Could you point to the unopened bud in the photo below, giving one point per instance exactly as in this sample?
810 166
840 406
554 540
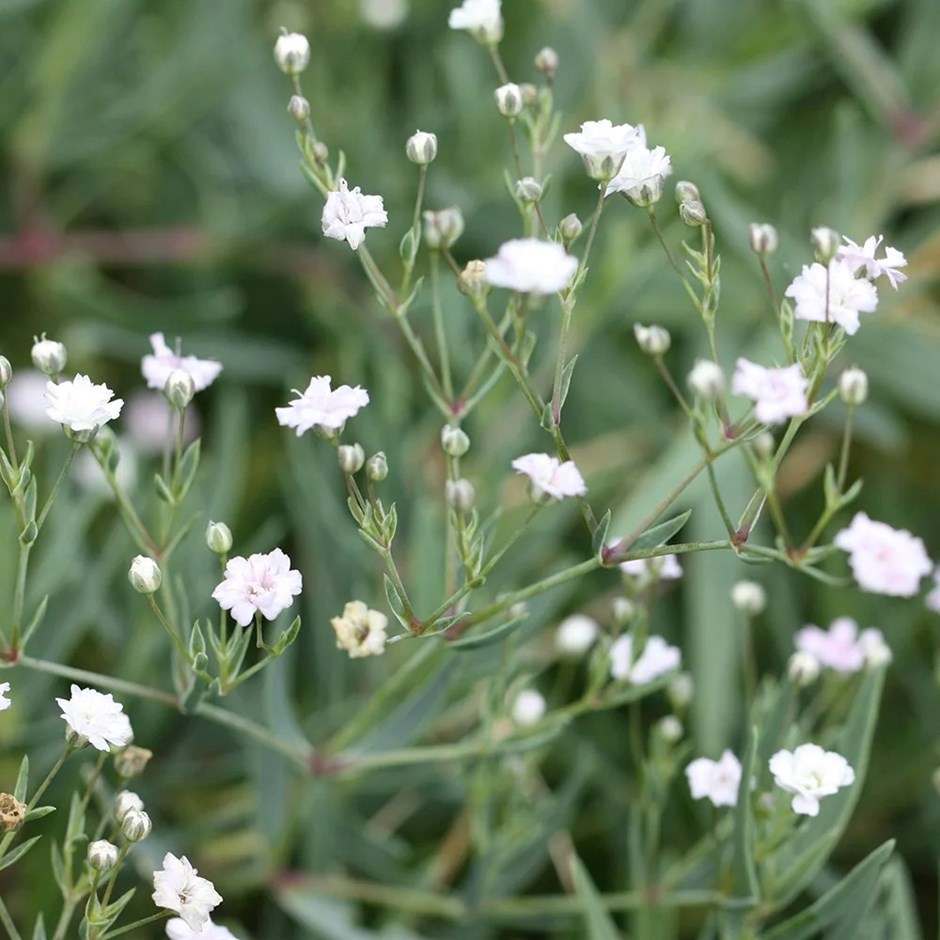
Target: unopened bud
102 855
693 213
218 538
749 597
570 228
454 441
12 813
124 802
6 372
421 148
443 228
803 668
687 192
680 690
460 495
653 340
576 634
825 243
623 610
530 94
179 389
48 356
763 238
764 445
145 575
136 825
298 108
646 193
669 729
528 190
351 457
707 380
321 153
509 100
377 467
472 278
292 53
547 62
853 386
132 761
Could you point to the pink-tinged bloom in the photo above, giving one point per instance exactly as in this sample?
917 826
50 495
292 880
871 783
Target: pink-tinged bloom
96 718
319 407
80 405
884 560
156 368
837 648
810 773
178 929
531 266
657 658
778 394
178 887
848 296
715 780
263 584
859 257
548 477
5 703
347 214
662 568
641 175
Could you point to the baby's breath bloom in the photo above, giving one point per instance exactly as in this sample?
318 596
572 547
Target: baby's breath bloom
603 146
322 408
810 773
5 703
717 781
421 148
124 802
662 568
483 19
853 386
531 266
837 296
360 631
657 658
859 257
348 213
178 887
145 575
641 175
48 356
549 478
159 365
80 406
95 718
528 708
292 53
707 380
102 855
576 635
778 393
749 597
509 100
836 648
178 929
260 584
803 668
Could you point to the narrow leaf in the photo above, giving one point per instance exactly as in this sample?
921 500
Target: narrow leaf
14 855
597 921
662 533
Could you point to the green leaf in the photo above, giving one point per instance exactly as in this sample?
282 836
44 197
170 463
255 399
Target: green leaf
39 931
599 538
478 640
287 637
38 813
22 780
597 921
36 620
186 471
395 602
660 534
746 891
14 855
566 379
163 490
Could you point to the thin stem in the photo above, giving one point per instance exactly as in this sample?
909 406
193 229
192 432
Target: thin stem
7 922
112 878
93 779
95 678
719 502
137 923
443 352
651 213
180 646
671 383
416 232
517 162
76 446
8 433
769 286
19 595
497 59
592 231
560 363
846 446
135 527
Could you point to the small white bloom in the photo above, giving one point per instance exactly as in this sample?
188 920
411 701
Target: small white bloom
481 18
859 257
825 242
549 478
659 568
641 175
319 407
576 635
421 148
707 380
177 929
653 340
81 406
603 146
531 266
657 658
163 361
749 597
836 648
670 729
874 649
178 887
136 825
347 214
803 668
778 393
360 631
810 773
717 781
763 238
528 708
680 690
5 703
292 53
48 356
96 718
848 296
884 560
260 584
509 100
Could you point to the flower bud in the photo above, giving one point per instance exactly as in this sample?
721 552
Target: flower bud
693 213
687 192
351 457
749 597
321 153
763 238
454 441
623 610
570 228
460 495
377 467
145 575
471 279
131 761
102 855
509 101
825 242
653 340
764 445
12 813
443 228
707 380
136 825
669 729
546 62
48 356
6 372
647 193
853 386
680 690
124 802
179 389
576 634
298 108
528 190
292 53
528 708
421 148
530 94
218 538
803 668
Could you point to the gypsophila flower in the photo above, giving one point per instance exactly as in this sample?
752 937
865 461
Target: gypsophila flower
528 708
662 568
576 635
874 648
292 53
641 175
531 266
178 929
178 887
803 668
810 773
322 408
884 560
778 393
81 406
836 648
549 478
657 658
603 146
96 718
360 631
749 597
157 366
717 781
707 379
347 214
260 584
848 296
481 18
859 257
124 802
5 703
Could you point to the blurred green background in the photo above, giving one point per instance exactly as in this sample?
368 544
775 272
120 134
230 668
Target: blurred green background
150 182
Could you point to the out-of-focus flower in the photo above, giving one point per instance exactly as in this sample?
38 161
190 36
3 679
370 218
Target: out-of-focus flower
717 781
853 386
48 356
603 146
749 597
178 887
158 366
509 100
319 407
641 175
576 635
834 294
96 719
443 227
348 213
653 340
858 257
884 560
657 658
177 929
483 19
528 708
874 649
27 403
933 598
131 761
803 668
531 266
836 648
763 238
292 53
810 773
707 380
778 394
660 568
5 703
80 406
360 631
262 583
124 802
383 14
549 478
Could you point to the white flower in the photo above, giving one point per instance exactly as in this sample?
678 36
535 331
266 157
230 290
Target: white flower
80 405
874 649
717 781
482 18
657 658
576 635
641 175
661 567
528 708
803 668
360 631
177 929
749 597
530 266
263 584
778 393
347 215
549 478
383 14
156 367
177 887
292 53
836 648
858 257
933 598
319 407
145 575
5 703
848 296
810 773
603 146
706 379
124 802
96 718
884 560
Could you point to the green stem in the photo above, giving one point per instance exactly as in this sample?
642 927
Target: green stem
719 502
76 446
409 264
517 162
493 50
137 923
180 646
136 528
7 922
19 595
846 446
560 363
651 213
8 432
592 231
112 878
443 352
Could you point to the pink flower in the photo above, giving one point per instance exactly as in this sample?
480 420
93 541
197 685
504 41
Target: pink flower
717 780
838 647
319 407
263 584
156 368
840 294
884 560
858 257
778 393
549 478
